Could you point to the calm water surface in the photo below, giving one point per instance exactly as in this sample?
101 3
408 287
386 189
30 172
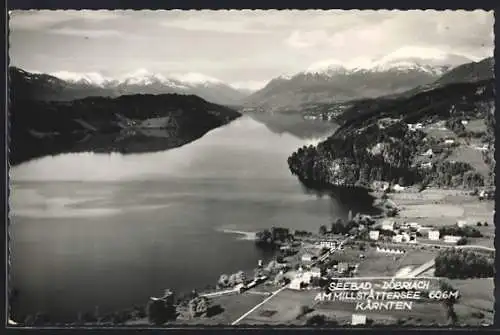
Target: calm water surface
110 230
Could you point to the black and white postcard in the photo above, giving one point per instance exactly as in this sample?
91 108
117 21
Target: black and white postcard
251 168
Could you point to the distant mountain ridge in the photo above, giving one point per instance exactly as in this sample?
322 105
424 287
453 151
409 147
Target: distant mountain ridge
65 86
332 82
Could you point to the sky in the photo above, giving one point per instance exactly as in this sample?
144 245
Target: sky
245 48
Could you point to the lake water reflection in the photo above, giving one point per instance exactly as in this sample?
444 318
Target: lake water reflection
112 230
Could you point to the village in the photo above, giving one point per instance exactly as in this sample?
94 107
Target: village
402 246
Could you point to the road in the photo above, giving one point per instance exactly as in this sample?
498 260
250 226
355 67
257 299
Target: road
323 257
414 273
258 305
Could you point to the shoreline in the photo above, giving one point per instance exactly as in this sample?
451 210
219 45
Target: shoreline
245 235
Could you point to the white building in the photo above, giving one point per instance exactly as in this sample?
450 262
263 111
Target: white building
405 237
388 225
414 225
307 257
414 126
374 235
398 188
315 272
434 235
451 238
380 185
295 283
327 244
427 165
461 223
358 319
428 153
449 141
389 251
397 238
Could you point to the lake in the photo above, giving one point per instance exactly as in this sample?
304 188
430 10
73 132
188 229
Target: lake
111 230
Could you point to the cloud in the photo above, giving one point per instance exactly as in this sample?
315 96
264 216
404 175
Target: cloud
210 21
40 19
306 39
460 32
242 47
88 32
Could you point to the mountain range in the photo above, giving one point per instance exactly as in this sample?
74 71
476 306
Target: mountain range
332 82
323 83
66 86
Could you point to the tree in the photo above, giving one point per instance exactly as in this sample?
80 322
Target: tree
322 230
450 301
304 309
233 280
349 216
315 281
157 311
463 263
258 273
240 277
198 306
479 224
316 320
223 280
264 238
160 310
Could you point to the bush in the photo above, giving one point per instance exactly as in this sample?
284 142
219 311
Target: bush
316 320
464 231
304 309
463 264
159 312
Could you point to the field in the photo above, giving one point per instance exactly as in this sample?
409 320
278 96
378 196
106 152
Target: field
476 304
476 125
439 132
379 264
421 313
284 308
470 155
233 307
442 207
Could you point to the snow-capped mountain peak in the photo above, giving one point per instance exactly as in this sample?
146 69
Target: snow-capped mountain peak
89 78
407 66
196 79
406 59
141 77
329 66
